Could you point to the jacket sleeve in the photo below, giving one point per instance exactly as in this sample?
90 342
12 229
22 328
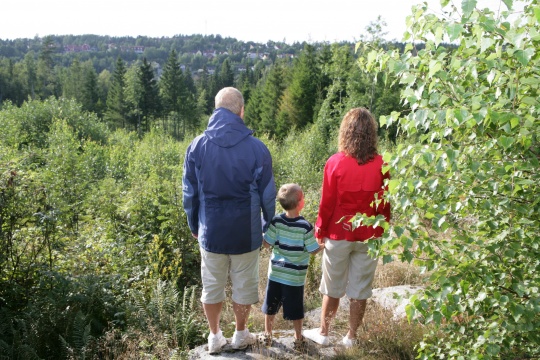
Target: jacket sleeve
267 190
328 201
190 192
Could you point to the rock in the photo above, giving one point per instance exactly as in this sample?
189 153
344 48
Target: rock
395 298
282 348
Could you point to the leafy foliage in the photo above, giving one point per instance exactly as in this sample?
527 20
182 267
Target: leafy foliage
86 216
172 314
466 182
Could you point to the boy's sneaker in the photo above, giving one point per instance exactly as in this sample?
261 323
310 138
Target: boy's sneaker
216 342
300 344
242 339
315 335
265 339
347 342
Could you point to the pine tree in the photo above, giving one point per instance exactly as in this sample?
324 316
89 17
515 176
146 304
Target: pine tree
116 112
90 93
148 100
270 101
204 87
303 91
171 87
189 108
72 83
31 73
334 105
47 78
226 74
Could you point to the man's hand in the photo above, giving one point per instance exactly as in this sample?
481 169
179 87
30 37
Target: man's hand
195 236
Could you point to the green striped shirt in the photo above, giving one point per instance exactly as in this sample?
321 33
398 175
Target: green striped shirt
293 241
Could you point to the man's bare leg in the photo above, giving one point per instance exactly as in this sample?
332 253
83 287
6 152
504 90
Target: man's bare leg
241 314
213 314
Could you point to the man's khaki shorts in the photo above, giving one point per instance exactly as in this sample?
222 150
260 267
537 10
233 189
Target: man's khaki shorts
243 270
347 269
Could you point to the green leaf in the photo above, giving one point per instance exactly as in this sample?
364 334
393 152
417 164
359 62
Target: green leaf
505 141
508 3
524 56
517 312
514 122
428 158
486 43
441 221
454 31
537 13
467 6
392 185
434 67
410 310
387 259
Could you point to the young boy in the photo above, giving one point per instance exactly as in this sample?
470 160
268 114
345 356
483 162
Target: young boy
292 238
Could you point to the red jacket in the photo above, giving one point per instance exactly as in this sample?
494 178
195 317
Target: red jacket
348 189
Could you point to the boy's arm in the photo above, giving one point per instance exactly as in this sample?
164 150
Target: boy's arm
311 244
269 237
321 248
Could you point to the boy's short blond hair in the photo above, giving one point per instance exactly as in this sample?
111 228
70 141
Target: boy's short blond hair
289 196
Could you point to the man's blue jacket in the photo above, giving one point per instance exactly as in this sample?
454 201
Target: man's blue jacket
227 184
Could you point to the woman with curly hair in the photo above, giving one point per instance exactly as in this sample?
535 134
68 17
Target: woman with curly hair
353 182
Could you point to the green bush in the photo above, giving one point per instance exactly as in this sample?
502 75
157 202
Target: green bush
466 180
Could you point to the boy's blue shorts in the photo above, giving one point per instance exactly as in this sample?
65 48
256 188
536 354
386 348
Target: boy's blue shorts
290 297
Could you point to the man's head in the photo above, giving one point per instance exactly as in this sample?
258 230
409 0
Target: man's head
290 196
230 99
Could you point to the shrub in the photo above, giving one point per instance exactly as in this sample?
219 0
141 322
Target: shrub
466 180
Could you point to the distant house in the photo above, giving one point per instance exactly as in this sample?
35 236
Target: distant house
77 48
209 54
135 49
285 56
251 55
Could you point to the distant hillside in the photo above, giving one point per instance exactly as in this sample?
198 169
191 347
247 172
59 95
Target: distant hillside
194 50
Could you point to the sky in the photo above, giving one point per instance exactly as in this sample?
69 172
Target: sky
260 21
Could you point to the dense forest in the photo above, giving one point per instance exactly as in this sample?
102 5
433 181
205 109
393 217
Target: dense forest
97 261
136 83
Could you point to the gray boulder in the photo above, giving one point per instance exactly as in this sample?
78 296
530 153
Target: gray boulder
393 298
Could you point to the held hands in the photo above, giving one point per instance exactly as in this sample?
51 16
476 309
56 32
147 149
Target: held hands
320 241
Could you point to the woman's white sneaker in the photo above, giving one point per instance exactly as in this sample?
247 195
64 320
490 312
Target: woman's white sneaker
348 342
315 336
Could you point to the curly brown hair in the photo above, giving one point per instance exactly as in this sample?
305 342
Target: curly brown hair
358 135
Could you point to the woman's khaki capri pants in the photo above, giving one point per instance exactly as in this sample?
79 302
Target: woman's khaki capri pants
347 268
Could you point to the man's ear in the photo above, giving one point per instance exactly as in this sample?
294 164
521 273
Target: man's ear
242 113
